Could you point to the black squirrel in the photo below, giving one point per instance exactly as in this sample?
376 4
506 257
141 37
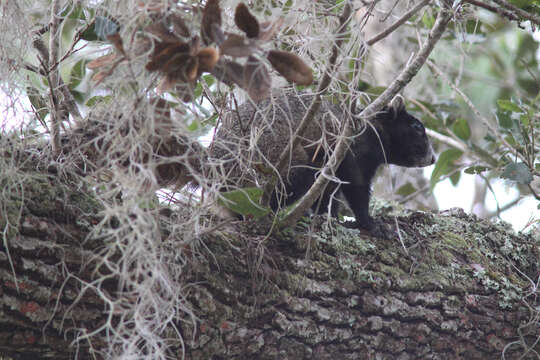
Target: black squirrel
250 140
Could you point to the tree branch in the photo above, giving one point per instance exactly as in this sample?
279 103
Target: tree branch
53 75
502 12
398 23
519 12
315 103
465 98
397 85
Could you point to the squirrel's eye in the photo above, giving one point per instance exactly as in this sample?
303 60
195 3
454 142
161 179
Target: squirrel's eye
417 126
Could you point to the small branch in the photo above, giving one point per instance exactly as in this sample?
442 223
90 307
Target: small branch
398 23
447 140
503 208
519 12
315 103
502 12
54 43
469 103
533 192
69 102
397 85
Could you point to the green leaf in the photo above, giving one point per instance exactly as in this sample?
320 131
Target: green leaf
375 91
209 79
90 33
508 106
473 27
461 129
198 91
454 178
38 102
518 172
93 101
520 3
77 73
244 202
194 126
444 165
73 12
428 20
518 134
476 169
406 189
505 121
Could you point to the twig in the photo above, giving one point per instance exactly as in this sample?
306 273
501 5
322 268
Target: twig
469 103
503 208
519 12
315 103
69 102
502 12
54 42
397 23
397 85
447 140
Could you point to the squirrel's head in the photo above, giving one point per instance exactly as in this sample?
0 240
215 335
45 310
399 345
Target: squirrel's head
407 142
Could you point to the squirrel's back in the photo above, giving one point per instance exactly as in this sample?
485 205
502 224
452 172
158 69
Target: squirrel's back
250 140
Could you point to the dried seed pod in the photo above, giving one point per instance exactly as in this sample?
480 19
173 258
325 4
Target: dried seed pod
158 61
229 72
237 46
103 61
117 42
211 18
256 79
291 67
179 26
245 21
208 57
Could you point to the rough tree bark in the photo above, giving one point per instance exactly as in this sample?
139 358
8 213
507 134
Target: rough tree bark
312 293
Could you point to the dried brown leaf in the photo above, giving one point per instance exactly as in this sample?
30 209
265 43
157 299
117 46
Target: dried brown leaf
192 69
179 26
211 18
103 61
194 46
161 31
165 84
158 61
237 46
246 21
217 34
117 42
208 57
269 29
155 6
102 75
229 72
291 67
180 65
256 79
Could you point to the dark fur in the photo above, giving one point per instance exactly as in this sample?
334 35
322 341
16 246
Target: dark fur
393 136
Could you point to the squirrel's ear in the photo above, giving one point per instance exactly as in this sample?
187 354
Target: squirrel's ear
397 105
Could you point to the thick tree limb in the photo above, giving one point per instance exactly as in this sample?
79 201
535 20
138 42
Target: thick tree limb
462 292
